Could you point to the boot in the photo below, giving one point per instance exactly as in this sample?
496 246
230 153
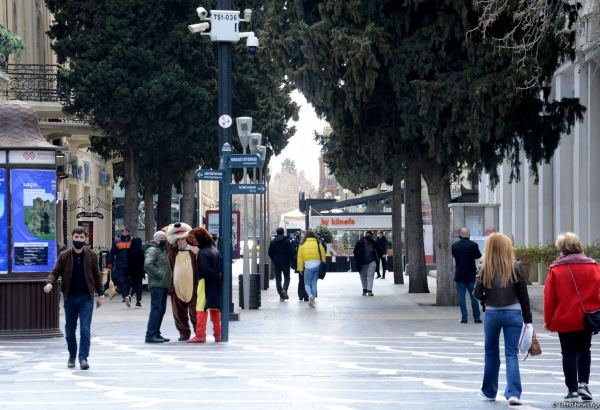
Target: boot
201 318
215 318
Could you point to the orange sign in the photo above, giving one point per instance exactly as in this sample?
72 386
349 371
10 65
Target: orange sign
338 221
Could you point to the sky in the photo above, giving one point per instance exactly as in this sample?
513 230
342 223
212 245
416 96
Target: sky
302 147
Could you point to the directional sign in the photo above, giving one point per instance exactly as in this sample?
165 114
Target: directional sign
209 174
247 188
244 161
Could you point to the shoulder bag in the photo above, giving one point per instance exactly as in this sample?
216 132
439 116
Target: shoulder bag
323 265
591 320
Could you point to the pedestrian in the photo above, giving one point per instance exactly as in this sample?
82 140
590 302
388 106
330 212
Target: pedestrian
119 264
280 252
302 295
210 286
157 265
503 288
135 263
465 253
381 244
81 280
310 255
573 283
365 256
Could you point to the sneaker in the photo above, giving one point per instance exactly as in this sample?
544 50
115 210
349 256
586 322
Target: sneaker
311 301
478 321
285 295
364 292
128 301
584 392
486 398
369 293
514 401
138 305
572 396
83 365
71 362
464 321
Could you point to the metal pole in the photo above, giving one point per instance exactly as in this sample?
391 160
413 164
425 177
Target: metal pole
260 235
246 267
253 267
225 223
267 224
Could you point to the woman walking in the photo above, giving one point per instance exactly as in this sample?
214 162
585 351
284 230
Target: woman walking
572 284
503 288
135 260
310 255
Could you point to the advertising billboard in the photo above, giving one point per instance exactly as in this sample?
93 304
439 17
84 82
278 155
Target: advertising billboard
3 223
212 226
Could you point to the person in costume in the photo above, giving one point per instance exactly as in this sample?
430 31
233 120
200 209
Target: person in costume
210 285
182 258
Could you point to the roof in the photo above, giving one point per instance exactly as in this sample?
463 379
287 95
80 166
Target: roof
19 127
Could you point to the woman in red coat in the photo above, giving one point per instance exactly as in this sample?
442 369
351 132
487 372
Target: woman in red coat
572 273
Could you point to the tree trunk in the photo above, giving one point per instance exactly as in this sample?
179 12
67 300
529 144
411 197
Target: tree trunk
149 213
397 227
132 183
163 211
438 185
413 234
188 196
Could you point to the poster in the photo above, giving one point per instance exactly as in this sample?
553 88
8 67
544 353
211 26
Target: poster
33 213
3 223
89 228
212 226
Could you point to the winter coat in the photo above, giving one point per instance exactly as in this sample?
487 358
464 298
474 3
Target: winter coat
118 252
381 244
465 253
309 251
157 266
210 269
64 268
135 263
562 309
295 244
280 251
359 252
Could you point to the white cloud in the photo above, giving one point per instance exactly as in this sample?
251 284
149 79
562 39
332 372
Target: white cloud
302 147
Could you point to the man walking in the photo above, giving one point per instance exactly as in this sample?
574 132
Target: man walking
465 253
365 255
157 265
119 264
281 253
81 279
382 246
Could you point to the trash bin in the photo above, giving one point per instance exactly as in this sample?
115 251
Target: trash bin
255 301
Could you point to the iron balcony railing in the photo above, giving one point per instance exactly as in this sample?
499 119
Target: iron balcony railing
35 82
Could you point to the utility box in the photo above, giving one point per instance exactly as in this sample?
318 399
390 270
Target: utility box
225 25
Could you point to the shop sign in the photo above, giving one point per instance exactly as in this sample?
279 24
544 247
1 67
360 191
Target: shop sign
32 157
337 221
89 215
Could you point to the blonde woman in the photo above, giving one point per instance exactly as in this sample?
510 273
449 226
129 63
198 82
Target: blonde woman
309 263
503 289
563 310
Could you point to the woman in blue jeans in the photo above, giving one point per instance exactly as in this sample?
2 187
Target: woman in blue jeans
310 255
503 289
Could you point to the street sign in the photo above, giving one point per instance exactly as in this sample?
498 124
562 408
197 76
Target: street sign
244 160
247 188
209 174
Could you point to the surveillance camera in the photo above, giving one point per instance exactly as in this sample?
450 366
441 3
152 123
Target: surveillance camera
252 44
202 13
199 27
247 14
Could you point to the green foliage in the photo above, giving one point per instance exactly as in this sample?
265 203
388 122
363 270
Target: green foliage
593 250
538 254
325 233
10 43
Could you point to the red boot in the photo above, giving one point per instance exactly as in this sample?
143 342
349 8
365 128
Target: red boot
215 317
201 318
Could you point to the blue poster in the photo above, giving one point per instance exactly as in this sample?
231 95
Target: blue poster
33 211
3 223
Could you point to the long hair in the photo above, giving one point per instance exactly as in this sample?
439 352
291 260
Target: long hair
308 234
202 236
499 259
136 245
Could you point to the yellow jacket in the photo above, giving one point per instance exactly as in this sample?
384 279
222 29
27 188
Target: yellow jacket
309 252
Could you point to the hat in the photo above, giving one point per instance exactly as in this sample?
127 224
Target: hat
176 231
159 236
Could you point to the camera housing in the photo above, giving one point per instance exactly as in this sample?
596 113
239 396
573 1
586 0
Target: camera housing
198 27
252 44
202 13
247 15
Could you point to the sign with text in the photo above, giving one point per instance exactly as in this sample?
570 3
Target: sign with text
3 223
32 157
212 225
89 228
209 175
33 214
244 160
237 189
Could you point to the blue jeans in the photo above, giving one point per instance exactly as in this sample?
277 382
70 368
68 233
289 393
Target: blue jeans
311 276
158 306
78 307
510 321
462 289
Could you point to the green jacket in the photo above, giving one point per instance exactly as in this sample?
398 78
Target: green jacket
157 266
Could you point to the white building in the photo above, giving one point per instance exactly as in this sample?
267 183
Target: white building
567 197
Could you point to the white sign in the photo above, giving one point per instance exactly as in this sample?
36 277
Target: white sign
2 157
225 121
225 25
32 157
352 222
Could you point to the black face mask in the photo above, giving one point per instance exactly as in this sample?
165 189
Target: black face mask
162 244
78 244
369 237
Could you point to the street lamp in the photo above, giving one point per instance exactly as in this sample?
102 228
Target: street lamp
244 127
255 141
262 151
346 193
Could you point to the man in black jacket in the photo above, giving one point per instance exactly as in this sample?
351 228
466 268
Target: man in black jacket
365 255
465 253
382 247
280 252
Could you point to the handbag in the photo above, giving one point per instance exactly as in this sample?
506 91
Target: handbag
591 320
535 349
323 265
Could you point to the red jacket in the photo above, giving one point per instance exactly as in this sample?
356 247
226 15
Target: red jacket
562 309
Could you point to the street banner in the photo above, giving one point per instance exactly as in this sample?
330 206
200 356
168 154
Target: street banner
33 214
212 226
3 223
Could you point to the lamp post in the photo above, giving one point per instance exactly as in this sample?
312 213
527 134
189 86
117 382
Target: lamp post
346 193
244 127
268 218
255 141
262 151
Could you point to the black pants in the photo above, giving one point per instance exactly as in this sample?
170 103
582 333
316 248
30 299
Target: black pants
158 306
279 270
576 357
136 287
301 289
381 259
